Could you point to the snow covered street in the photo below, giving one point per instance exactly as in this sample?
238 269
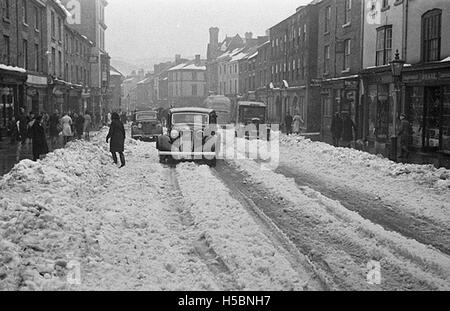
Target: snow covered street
321 221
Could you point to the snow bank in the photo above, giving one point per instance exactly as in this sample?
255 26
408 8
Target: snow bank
428 175
42 216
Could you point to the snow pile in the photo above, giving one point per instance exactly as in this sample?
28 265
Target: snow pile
42 217
422 174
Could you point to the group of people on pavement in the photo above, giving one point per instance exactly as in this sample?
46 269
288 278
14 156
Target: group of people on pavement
39 129
35 129
343 131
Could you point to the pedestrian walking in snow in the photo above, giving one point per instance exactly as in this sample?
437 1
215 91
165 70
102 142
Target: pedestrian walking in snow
405 136
87 125
38 138
66 124
288 121
298 121
348 126
336 129
117 136
79 126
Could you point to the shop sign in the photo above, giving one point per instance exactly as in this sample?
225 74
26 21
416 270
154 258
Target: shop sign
430 76
37 80
411 77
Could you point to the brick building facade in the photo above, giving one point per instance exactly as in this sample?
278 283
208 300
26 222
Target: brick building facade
339 60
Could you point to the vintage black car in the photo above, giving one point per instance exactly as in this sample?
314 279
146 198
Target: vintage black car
191 135
146 126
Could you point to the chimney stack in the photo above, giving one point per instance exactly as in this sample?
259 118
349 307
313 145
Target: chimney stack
177 59
214 36
248 36
197 60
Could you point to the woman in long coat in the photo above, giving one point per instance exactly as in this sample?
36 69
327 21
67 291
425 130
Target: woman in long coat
66 123
38 139
298 121
117 136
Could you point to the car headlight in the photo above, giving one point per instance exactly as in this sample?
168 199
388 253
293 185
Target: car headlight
140 125
174 134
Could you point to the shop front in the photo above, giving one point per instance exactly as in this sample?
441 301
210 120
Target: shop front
377 112
427 105
339 95
36 94
11 96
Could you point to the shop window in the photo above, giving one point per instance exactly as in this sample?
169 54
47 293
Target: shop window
446 120
432 117
415 115
379 112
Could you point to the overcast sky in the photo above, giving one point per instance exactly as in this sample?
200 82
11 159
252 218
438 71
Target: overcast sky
162 28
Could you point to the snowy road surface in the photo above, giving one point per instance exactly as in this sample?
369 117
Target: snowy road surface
319 222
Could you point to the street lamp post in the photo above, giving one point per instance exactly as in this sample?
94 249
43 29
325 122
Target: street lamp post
397 66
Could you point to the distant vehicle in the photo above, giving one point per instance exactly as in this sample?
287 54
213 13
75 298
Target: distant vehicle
223 107
191 135
146 126
251 113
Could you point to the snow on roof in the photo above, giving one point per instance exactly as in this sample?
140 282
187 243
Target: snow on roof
231 53
11 68
253 55
188 66
58 2
114 73
239 56
146 80
446 59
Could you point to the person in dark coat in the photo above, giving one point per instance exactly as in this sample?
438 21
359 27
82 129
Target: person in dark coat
347 130
405 136
117 136
38 139
288 121
336 129
79 126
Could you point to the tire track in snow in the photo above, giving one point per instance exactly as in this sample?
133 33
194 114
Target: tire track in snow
342 256
372 208
200 246
280 240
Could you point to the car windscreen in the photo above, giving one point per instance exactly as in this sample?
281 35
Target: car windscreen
190 118
247 114
146 116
